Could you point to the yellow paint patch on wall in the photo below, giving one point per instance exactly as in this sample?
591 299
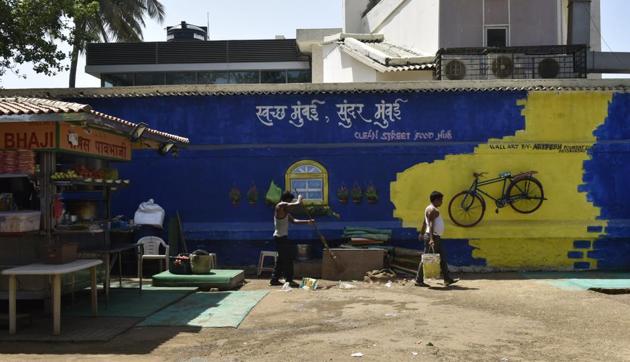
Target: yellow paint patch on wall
533 253
558 131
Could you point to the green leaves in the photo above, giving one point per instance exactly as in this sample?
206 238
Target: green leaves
34 30
118 20
30 31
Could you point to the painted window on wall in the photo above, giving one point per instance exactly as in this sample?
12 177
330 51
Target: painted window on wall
309 179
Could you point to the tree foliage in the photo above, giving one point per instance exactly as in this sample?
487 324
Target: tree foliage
118 20
33 30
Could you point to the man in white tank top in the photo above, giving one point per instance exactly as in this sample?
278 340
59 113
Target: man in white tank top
431 234
286 249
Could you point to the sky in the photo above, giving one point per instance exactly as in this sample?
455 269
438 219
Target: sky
256 19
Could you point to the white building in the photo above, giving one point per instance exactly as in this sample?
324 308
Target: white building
397 40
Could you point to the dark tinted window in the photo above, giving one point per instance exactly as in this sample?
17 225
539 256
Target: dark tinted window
299 76
181 78
496 37
273 76
117 80
150 78
244 77
213 77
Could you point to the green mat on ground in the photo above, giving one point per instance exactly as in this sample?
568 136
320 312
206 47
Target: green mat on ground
128 302
583 280
220 309
218 278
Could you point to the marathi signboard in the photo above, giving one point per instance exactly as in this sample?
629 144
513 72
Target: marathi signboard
64 136
93 142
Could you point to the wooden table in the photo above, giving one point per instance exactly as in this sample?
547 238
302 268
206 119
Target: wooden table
56 270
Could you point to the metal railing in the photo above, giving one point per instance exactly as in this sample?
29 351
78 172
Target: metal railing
535 62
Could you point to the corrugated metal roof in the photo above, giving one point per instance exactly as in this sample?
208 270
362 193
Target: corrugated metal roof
38 106
434 86
385 68
395 51
25 106
384 57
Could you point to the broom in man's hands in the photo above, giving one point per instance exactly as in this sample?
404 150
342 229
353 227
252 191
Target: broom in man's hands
338 265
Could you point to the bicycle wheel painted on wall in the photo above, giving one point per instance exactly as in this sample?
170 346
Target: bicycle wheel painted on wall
525 194
466 209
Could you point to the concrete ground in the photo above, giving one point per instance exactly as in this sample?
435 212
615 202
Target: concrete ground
486 317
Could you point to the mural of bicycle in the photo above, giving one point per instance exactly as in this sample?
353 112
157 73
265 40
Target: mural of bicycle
523 192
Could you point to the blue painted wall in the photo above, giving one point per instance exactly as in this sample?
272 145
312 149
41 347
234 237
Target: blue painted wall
234 144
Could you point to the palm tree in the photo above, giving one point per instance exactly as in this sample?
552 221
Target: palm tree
118 20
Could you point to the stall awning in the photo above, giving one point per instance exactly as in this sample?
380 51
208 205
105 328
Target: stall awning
19 109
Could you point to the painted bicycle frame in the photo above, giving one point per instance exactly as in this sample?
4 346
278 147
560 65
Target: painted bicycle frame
507 178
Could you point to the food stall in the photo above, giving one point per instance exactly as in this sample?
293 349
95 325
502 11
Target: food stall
57 175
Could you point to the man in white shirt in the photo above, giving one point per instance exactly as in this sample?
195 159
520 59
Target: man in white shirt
431 234
286 249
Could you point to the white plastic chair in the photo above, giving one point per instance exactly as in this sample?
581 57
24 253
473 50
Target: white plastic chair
149 248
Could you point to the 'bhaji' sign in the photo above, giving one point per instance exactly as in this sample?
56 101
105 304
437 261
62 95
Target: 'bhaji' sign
27 136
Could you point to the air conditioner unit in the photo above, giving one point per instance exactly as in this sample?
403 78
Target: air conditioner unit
461 67
550 67
500 66
539 66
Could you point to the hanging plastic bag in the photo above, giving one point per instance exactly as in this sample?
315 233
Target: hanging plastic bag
431 265
149 213
273 194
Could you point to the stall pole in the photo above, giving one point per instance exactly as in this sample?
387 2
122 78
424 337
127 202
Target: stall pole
57 304
93 290
12 302
47 168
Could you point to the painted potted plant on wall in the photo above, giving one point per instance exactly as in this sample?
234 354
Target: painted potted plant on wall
235 195
356 193
252 195
370 194
343 194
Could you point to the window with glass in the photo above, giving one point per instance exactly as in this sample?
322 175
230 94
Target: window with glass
244 77
117 80
496 37
299 76
149 78
206 77
181 78
220 77
273 76
309 179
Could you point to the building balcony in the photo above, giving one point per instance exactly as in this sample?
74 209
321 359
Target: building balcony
531 62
